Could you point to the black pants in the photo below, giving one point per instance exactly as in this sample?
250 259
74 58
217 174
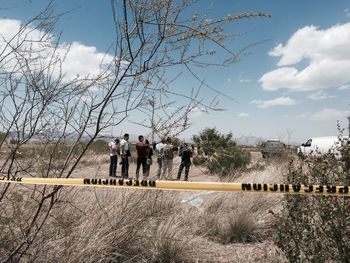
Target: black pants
125 167
143 162
113 165
160 165
183 165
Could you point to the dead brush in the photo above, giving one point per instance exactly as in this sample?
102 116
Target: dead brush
239 227
170 243
231 218
90 160
241 217
122 226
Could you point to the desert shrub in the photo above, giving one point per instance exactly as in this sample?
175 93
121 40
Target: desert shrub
3 136
316 228
14 141
16 209
231 218
115 226
221 153
99 147
257 166
238 228
199 160
168 244
345 153
47 158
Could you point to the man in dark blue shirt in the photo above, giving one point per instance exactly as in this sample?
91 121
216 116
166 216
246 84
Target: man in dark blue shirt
186 155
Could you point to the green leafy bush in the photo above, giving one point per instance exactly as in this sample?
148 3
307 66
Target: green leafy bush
99 147
221 153
316 228
3 137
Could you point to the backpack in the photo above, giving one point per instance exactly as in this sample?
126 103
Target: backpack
168 152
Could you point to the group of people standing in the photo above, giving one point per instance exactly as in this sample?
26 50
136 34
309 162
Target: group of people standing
121 148
165 153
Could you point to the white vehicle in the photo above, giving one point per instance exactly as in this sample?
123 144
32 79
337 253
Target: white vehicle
321 145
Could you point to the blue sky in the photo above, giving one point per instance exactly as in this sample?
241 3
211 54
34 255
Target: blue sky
292 86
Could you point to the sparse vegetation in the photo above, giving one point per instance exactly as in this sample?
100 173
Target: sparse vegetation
99 147
316 228
53 117
142 226
90 225
3 137
49 128
235 218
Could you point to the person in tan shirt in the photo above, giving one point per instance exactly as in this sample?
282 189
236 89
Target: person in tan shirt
168 156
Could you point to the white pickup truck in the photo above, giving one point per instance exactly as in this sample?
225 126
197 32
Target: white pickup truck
321 145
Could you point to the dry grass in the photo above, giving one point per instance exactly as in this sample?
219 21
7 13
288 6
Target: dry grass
121 226
105 225
242 217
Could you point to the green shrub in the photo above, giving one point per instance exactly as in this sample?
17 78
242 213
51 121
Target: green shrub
221 153
199 160
99 147
3 137
224 161
316 228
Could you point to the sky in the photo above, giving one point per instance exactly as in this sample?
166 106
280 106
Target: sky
293 84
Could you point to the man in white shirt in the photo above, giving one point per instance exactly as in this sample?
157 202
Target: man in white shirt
125 153
159 152
113 153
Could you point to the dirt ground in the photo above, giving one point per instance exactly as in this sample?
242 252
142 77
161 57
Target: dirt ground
100 169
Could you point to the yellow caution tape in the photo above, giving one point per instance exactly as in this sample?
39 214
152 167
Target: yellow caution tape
186 186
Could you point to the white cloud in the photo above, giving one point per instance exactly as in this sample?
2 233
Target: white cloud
78 59
344 87
83 60
299 116
320 95
330 114
243 115
347 12
197 111
244 80
281 101
229 80
302 116
326 52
